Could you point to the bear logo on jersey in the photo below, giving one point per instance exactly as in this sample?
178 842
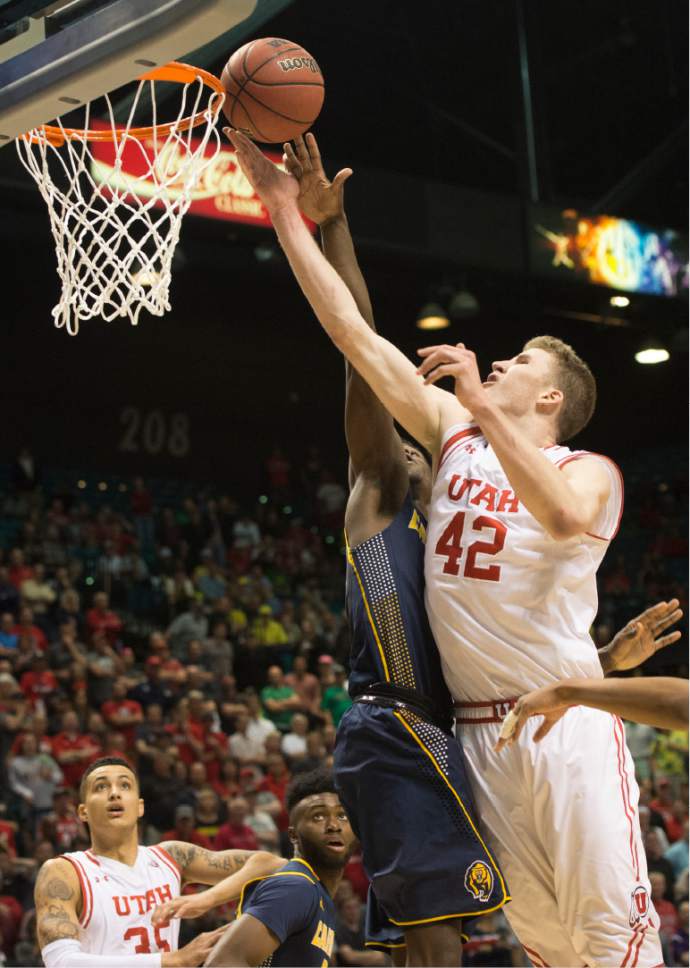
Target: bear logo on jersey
479 881
639 905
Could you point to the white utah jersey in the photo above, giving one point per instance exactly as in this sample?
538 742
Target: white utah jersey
118 900
509 606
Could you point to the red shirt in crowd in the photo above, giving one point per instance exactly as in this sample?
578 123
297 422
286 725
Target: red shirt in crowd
37 635
36 685
668 917
20 573
106 621
278 788
133 711
235 837
7 838
11 913
45 744
64 743
354 872
193 837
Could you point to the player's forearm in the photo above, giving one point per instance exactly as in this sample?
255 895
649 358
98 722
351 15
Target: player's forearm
325 291
69 954
656 701
229 889
339 249
537 483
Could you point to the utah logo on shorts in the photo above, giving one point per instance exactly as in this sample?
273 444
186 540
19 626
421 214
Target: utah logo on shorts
479 881
639 905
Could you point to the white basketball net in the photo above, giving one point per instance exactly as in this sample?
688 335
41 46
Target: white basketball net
115 233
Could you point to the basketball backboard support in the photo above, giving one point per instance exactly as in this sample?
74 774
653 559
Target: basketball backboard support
65 53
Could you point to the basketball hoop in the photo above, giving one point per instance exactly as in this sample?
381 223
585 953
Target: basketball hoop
115 237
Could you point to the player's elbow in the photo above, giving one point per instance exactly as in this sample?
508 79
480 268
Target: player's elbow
565 523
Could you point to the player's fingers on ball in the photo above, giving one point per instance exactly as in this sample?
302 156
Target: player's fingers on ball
313 146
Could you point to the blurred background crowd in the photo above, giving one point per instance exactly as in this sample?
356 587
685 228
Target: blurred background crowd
204 640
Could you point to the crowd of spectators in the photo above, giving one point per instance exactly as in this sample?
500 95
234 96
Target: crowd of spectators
205 642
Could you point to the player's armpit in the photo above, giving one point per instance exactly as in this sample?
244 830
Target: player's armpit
57 896
200 866
590 482
246 942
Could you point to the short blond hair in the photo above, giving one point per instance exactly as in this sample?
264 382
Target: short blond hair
575 380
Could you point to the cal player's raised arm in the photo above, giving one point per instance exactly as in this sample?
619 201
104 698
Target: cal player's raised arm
373 443
566 502
200 866
58 901
391 375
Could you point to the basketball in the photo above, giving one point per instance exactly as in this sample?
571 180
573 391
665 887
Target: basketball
274 90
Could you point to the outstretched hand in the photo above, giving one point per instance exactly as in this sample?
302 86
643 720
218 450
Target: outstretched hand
639 640
184 906
275 188
319 199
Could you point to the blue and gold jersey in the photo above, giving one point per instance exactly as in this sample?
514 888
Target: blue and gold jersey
391 638
297 908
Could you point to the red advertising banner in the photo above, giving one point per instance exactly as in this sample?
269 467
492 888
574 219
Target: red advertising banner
222 191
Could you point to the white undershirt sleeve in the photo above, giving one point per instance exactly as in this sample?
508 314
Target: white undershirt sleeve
68 954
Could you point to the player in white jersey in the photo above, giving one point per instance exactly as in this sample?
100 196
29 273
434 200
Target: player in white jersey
94 907
518 527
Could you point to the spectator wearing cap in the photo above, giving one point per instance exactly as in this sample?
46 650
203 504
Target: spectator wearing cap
236 834
266 630
123 714
279 700
190 625
306 685
185 828
100 618
152 689
73 750
336 699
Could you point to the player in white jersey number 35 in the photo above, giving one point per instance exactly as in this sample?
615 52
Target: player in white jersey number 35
94 908
518 527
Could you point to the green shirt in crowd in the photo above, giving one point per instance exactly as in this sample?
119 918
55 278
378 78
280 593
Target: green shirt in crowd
336 699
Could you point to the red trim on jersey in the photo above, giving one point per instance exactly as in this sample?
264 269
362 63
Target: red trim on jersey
535 957
86 895
469 432
637 936
93 859
639 946
619 736
169 861
591 453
